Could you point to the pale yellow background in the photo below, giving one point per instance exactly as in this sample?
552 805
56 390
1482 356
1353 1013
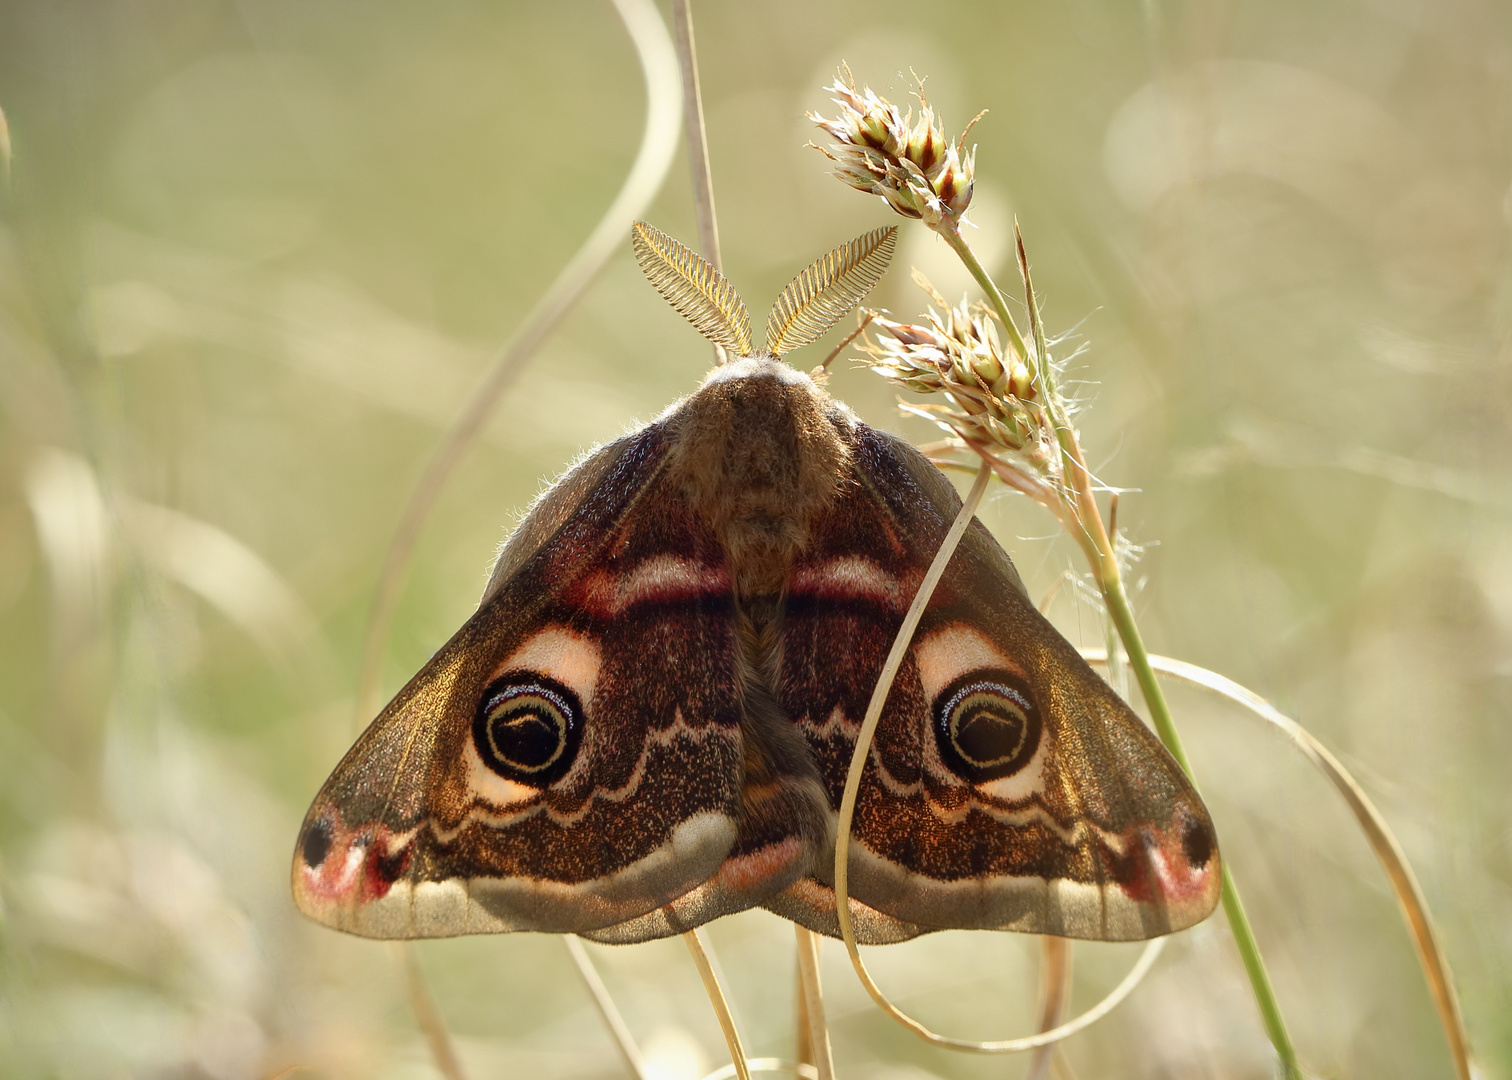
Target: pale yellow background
254 255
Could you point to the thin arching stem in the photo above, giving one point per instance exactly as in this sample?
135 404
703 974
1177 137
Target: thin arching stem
847 814
812 1004
1080 515
653 46
697 136
1383 842
696 133
1055 999
610 1013
879 698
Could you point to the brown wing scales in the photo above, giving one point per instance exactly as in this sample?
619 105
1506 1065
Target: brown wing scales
649 719
1008 786
532 776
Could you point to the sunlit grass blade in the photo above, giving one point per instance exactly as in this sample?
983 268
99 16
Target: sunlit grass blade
848 810
698 142
815 1030
801 1069
658 60
696 133
1054 997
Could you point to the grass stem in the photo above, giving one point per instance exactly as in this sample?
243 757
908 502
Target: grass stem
697 137
653 46
1404 882
859 757
618 1029
812 1004
1055 999
1085 522
701 959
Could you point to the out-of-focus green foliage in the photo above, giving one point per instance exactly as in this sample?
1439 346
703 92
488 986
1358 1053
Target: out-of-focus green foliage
253 257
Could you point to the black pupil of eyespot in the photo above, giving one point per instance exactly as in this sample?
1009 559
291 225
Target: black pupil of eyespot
528 730
988 732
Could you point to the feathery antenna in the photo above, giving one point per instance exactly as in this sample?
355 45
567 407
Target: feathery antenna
690 284
827 289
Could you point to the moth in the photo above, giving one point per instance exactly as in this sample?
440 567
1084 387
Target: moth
648 721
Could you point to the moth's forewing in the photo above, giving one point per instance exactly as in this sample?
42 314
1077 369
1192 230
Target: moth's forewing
544 771
1008 786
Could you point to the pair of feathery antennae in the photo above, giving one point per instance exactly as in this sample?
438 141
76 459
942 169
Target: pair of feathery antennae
820 296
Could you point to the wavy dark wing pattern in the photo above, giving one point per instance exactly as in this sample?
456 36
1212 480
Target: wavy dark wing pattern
1008 787
531 776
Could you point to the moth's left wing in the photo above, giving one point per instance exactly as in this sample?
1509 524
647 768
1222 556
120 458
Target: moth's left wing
571 758
1008 786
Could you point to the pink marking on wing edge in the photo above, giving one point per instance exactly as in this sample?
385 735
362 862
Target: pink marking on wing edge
746 872
361 864
1156 858
659 579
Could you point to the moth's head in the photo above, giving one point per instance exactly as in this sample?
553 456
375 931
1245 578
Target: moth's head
760 362
824 293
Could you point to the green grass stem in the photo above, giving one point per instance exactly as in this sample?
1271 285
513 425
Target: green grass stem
1099 548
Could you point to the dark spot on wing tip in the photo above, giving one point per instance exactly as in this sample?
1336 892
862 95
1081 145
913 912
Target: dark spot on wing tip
1197 843
315 845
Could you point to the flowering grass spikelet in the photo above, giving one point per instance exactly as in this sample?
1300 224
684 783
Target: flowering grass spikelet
994 405
910 163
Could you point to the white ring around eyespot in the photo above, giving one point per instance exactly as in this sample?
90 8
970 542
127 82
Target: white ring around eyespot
956 708
556 715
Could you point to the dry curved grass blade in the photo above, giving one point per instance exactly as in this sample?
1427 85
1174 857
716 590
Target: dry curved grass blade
658 59
618 1030
741 1068
768 1065
694 288
848 812
697 133
1404 882
815 1029
827 289
1055 999
698 143
5 146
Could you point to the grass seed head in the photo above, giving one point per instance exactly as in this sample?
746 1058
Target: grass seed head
910 163
959 353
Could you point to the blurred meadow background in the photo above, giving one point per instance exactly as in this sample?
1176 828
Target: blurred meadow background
255 255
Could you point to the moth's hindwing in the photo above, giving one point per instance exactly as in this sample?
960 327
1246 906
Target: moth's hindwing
1008 787
571 758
